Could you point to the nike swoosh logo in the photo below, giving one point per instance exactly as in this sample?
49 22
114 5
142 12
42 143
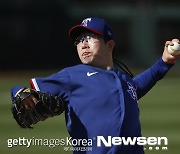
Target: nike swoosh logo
90 74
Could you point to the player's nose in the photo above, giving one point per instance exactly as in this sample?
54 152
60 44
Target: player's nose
85 45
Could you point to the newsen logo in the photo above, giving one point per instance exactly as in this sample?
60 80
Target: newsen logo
142 141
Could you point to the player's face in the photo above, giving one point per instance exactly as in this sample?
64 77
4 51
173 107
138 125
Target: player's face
92 49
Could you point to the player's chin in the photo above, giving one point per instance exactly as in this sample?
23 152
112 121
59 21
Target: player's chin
86 63
86 60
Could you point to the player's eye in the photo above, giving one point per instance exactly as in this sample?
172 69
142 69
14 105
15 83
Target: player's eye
87 37
81 39
77 41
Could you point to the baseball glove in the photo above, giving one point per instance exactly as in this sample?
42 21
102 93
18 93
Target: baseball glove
47 106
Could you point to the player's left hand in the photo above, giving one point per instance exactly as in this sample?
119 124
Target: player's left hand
167 57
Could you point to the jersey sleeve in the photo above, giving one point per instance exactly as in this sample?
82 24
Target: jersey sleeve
147 79
14 90
56 84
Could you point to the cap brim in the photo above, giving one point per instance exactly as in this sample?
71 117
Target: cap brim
75 31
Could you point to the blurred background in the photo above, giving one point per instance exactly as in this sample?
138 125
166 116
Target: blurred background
35 42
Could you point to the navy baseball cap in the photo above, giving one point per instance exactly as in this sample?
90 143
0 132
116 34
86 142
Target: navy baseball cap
95 25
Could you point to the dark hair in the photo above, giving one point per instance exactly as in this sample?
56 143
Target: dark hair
122 66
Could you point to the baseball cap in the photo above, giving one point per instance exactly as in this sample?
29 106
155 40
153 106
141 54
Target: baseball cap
95 25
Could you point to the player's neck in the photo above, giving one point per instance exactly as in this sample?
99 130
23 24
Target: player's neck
105 65
108 65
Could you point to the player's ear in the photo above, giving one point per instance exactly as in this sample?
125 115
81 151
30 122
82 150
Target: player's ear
111 45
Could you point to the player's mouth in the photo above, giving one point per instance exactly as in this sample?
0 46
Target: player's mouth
86 54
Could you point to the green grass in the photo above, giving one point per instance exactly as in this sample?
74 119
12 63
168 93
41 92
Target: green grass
160 116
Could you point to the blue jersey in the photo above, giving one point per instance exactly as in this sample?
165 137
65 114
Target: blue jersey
101 102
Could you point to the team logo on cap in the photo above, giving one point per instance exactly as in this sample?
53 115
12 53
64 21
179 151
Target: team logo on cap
85 21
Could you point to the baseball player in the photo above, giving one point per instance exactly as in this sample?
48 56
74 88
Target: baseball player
98 99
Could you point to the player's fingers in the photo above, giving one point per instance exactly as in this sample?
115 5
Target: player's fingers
175 40
28 102
168 43
34 100
26 106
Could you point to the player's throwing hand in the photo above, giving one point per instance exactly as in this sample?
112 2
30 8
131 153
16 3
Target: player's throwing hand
167 57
